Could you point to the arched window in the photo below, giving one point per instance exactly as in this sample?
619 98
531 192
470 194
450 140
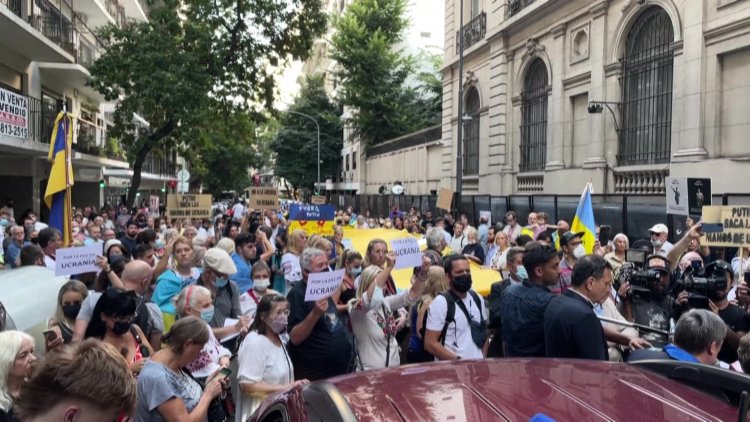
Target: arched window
534 117
647 90
471 139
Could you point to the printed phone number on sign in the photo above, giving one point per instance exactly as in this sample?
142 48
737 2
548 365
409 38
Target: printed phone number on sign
13 130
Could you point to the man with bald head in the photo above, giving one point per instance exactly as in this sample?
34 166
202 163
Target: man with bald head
136 278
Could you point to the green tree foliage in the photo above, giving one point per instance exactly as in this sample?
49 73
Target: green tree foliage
374 75
295 145
195 60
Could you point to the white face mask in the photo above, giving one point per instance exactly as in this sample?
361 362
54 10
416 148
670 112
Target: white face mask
658 243
261 284
163 227
579 252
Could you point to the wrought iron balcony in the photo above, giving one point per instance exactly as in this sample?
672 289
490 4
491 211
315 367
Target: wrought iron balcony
15 6
515 6
86 141
51 22
474 31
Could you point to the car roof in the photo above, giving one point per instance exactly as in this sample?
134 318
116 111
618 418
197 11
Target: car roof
518 389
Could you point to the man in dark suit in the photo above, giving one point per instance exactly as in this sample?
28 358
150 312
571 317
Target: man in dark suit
571 327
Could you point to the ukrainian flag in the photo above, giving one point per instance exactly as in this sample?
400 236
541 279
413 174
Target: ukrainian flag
57 196
583 222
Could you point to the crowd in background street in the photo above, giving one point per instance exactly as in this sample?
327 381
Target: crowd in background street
202 319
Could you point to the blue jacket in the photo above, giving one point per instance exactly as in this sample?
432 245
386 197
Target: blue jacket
522 311
243 277
168 285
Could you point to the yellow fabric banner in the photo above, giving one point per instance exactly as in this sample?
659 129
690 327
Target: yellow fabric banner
482 278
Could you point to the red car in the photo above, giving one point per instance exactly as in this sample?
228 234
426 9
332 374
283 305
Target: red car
517 390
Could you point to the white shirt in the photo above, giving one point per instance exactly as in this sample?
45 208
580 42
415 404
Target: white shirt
259 360
238 211
291 269
49 263
458 243
458 336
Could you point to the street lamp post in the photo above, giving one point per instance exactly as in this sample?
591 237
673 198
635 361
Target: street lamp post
317 186
459 130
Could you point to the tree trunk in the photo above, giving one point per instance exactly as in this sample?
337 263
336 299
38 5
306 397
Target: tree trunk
135 183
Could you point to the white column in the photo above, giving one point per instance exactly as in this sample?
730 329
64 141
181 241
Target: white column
556 103
599 124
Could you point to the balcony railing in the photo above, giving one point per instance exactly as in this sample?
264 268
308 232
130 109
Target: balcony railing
86 141
159 163
54 25
474 32
15 6
515 6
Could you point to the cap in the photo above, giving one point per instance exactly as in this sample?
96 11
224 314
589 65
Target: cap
659 228
218 260
110 243
569 235
227 244
658 264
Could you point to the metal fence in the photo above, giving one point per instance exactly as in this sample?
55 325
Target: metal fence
629 214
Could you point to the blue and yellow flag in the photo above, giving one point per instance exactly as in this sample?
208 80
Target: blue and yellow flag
583 222
57 196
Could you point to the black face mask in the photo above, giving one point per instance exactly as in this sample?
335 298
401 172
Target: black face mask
121 327
462 283
70 311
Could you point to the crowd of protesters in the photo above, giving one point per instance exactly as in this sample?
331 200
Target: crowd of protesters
202 319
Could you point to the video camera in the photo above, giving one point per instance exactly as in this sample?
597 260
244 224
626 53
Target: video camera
633 271
254 221
703 283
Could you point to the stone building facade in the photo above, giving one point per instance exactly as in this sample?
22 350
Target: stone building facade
619 92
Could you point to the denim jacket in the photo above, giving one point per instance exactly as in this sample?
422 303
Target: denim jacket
522 308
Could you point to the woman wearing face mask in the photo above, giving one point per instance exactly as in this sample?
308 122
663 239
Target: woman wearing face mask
217 267
372 314
173 280
249 300
16 359
436 283
196 301
111 323
347 291
69 301
264 366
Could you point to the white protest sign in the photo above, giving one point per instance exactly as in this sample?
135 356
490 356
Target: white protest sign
347 244
322 285
78 260
407 252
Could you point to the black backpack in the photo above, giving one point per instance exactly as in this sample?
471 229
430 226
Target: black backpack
477 330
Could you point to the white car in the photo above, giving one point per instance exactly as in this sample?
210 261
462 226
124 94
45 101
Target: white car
28 298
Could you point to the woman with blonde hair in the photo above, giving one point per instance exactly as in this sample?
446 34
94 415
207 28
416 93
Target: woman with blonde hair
502 245
16 358
173 280
436 283
290 261
69 300
372 314
324 245
473 250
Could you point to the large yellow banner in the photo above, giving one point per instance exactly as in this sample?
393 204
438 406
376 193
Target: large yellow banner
482 278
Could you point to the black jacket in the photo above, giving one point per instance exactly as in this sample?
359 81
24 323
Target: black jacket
572 330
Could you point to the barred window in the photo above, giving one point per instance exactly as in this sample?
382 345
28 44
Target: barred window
646 135
471 139
534 117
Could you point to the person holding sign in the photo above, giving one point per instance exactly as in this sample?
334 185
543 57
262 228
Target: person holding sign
318 342
372 314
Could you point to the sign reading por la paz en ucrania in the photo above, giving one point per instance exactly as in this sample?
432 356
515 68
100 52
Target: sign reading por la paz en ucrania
732 222
407 252
322 285
77 260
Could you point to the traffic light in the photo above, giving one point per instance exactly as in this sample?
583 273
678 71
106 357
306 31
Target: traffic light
102 184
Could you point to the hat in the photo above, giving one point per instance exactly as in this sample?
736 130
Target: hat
569 235
110 243
659 228
227 244
218 260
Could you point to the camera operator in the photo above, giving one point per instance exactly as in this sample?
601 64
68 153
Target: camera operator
714 284
645 299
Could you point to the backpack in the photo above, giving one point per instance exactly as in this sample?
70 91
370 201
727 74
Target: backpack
143 317
477 330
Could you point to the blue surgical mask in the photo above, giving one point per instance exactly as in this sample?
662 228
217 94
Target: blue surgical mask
207 314
3 222
220 282
159 244
355 271
521 273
